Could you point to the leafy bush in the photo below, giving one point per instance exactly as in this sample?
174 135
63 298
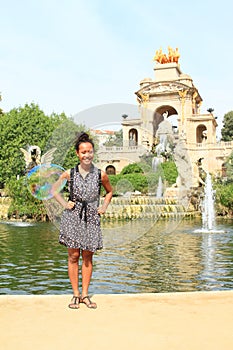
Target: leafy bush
224 195
170 172
139 182
140 177
23 203
132 169
133 182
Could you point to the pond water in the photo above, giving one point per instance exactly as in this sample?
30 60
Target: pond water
161 260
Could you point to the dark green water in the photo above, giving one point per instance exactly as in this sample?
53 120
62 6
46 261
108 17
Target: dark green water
167 258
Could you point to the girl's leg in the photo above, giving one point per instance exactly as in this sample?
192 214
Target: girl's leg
86 277
86 271
73 266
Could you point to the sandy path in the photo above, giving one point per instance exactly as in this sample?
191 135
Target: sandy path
199 320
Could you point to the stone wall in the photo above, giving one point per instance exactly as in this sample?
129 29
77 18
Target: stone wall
4 207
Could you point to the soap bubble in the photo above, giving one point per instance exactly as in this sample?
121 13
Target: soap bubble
42 178
136 209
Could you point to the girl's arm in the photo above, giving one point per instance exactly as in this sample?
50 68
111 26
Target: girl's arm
57 195
108 188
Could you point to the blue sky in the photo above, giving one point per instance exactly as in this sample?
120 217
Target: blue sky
70 56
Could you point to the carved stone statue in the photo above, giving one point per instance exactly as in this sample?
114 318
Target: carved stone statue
33 157
201 173
204 135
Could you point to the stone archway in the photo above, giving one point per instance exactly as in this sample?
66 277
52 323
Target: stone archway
201 133
161 114
224 170
133 137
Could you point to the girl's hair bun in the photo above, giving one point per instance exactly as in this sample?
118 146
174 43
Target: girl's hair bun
82 137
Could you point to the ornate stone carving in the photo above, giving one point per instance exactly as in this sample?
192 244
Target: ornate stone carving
161 88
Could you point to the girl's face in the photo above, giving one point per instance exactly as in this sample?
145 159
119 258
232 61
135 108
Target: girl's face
85 153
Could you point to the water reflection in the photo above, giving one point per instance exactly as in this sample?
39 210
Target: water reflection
170 257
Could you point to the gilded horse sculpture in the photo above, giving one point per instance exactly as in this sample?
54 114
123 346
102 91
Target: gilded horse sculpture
172 56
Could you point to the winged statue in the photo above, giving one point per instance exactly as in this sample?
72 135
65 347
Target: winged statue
32 156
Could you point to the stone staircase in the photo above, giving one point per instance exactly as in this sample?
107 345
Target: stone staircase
146 207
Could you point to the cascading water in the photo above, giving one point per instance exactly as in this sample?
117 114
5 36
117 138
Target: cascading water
159 192
156 161
208 212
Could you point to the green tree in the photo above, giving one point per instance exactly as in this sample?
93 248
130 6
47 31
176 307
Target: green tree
229 168
26 126
115 140
227 130
22 127
63 138
1 111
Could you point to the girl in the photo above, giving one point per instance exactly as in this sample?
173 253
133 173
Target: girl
80 223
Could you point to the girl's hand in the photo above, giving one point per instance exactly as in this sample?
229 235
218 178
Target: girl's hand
101 210
69 205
